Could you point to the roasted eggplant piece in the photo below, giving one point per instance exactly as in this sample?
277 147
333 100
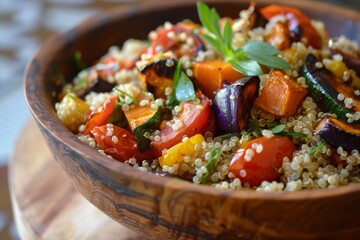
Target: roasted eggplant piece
232 104
88 81
157 74
324 88
339 133
256 18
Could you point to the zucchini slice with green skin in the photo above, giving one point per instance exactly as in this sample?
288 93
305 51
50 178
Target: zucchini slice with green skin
142 120
339 133
324 88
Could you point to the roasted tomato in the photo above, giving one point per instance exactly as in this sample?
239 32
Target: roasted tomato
192 119
120 144
298 23
259 160
101 117
177 39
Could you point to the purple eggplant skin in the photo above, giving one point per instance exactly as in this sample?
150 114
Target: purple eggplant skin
232 104
94 83
339 133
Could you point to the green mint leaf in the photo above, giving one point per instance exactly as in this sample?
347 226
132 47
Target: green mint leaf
214 43
293 134
227 135
264 54
210 165
209 18
183 88
261 47
316 148
278 128
246 67
228 35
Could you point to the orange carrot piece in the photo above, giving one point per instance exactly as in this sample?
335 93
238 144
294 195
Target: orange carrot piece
211 75
281 95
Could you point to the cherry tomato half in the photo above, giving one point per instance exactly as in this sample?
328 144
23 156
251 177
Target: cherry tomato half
121 144
193 118
259 159
100 118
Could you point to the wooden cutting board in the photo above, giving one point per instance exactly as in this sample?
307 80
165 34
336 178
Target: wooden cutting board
45 204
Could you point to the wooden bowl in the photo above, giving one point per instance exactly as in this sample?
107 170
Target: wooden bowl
163 207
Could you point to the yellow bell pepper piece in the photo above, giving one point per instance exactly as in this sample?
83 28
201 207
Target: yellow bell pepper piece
336 67
72 111
176 154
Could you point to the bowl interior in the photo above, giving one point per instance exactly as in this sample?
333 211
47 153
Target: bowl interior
54 63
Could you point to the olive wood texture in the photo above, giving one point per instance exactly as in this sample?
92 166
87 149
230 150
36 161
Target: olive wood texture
164 207
45 203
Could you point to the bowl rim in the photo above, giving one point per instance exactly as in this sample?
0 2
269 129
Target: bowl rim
81 148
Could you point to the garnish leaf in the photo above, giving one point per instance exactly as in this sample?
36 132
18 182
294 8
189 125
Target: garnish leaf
316 148
209 18
245 60
228 35
293 134
210 165
134 99
278 128
183 88
78 61
248 67
264 54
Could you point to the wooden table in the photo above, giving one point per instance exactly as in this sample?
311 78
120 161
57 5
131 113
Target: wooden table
45 204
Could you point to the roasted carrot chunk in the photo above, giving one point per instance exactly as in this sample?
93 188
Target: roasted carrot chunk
281 95
212 75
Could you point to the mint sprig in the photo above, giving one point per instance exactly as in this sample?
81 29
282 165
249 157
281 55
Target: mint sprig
246 59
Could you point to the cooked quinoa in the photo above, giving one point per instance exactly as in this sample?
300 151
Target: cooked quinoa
310 166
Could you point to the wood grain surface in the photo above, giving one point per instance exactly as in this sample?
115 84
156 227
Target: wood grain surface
45 204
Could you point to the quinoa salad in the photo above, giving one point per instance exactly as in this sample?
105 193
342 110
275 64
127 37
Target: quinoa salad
266 101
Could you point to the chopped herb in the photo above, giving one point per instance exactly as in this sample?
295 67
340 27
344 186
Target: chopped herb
293 134
210 165
70 95
227 136
80 82
246 59
78 61
279 130
134 99
183 88
316 148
